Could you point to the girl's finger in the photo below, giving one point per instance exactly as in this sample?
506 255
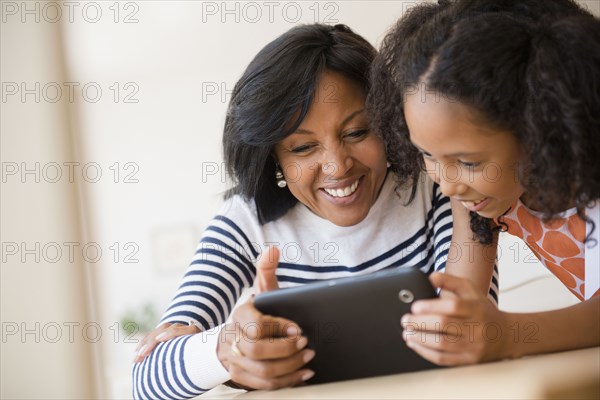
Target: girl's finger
415 323
437 356
449 307
461 287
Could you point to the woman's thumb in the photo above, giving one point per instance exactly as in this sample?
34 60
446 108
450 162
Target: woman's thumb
266 268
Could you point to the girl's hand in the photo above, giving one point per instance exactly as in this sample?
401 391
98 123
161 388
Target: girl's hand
460 327
163 333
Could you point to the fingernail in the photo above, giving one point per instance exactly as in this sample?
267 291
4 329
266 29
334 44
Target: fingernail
136 357
308 355
142 349
293 331
308 375
301 343
409 343
404 320
162 335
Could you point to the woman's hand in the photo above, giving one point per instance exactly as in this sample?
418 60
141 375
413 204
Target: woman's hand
265 280
460 327
163 333
266 269
263 352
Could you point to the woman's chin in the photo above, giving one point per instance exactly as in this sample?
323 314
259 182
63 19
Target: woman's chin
347 218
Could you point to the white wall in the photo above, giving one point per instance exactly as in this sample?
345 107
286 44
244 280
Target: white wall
45 351
165 137
174 54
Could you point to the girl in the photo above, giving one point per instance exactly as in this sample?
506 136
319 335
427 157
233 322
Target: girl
503 111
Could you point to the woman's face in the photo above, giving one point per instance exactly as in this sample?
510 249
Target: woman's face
472 162
333 163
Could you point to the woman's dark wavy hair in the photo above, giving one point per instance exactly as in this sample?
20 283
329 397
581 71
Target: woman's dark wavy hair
528 66
272 98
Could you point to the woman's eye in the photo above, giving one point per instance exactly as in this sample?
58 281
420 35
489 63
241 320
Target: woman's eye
301 149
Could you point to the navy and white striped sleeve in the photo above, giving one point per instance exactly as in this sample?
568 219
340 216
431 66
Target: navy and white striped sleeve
180 368
221 268
442 227
442 212
494 285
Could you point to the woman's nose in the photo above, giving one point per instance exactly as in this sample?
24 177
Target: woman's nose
337 163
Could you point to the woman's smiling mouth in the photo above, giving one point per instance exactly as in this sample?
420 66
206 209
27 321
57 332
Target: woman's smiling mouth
344 191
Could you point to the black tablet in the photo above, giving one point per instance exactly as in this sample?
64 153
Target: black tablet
353 324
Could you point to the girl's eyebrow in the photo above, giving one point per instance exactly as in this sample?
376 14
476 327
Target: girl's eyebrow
421 150
454 155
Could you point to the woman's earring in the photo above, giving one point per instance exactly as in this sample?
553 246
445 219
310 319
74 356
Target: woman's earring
280 178
389 164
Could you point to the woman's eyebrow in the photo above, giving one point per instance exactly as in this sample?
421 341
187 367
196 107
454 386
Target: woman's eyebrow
351 116
303 131
344 122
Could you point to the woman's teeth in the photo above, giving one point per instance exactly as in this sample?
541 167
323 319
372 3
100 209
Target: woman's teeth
347 191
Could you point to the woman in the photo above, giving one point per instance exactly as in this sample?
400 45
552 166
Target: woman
311 179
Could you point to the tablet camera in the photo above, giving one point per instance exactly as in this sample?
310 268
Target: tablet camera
406 296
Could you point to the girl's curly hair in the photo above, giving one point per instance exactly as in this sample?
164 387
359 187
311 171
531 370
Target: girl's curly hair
531 67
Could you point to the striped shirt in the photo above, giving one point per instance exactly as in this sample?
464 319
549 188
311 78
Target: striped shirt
312 249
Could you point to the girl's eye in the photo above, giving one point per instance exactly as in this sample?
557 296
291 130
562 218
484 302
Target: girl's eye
469 164
357 134
427 157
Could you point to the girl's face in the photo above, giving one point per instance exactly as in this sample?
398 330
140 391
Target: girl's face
472 162
333 163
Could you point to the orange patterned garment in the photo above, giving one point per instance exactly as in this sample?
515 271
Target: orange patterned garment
558 244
